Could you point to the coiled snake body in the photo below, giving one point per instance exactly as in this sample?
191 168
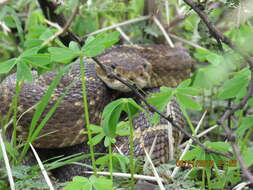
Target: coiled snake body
145 66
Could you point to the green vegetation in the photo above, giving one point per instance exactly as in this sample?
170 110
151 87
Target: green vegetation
220 81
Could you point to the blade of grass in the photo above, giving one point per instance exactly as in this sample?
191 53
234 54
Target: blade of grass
86 112
40 108
15 105
6 160
70 160
48 116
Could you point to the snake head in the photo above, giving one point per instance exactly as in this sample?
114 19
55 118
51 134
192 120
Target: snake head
129 67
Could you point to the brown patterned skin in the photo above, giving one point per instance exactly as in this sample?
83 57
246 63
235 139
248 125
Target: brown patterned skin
64 128
146 66
145 134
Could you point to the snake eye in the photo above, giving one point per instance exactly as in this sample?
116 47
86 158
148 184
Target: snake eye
113 66
118 75
145 65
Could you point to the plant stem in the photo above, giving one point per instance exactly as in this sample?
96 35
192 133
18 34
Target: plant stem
86 111
15 107
131 148
110 159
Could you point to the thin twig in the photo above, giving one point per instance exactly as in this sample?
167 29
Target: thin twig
186 41
7 163
189 143
241 186
200 135
221 38
159 182
119 25
66 26
123 34
163 31
170 132
136 176
49 9
53 24
47 179
145 165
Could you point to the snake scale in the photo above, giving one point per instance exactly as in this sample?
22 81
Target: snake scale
147 66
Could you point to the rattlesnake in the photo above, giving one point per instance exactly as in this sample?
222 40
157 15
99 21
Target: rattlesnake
146 66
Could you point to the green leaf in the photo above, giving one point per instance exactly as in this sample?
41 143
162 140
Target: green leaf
94 46
209 76
6 66
132 107
123 161
248 155
62 55
101 183
79 183
187 102
250 102
201 54
215 59
123 128
189 91
184 84
97 139
18 23
96 128
32 43
74 46
246 123
30 51
110 117
185 88
107 141
47 33
160 100
219 146
194 153
24 72
235 85
111 114
38 60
